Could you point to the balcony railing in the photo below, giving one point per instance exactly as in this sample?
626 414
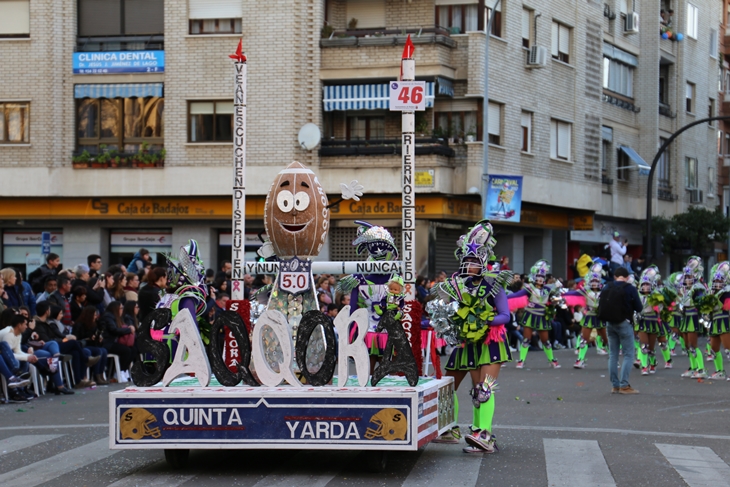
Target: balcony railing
388 37
606 180
627 105
666 110
424 146
120 43
118 160
666 195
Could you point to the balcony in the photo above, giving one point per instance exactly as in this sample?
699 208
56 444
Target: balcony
666 195
120 43
144 158
666 110
621 103
424 146
388 37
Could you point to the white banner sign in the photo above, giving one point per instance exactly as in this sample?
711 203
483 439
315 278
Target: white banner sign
30 238
141 239
407 96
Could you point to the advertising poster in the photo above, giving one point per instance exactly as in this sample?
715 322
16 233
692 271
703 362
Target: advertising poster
504 198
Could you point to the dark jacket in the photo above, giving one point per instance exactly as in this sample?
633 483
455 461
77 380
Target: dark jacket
58 299
631 296
15 298
93 297
109 329
28 297
37 278
48 332
149 296
89 338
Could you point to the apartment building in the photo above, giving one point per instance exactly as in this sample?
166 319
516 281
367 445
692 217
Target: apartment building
723 133
117 119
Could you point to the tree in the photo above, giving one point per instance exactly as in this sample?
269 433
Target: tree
692 232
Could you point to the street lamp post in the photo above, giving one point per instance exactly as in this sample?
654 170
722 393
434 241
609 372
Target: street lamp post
649 184
485 113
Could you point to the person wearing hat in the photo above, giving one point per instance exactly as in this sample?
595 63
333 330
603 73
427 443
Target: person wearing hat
618 250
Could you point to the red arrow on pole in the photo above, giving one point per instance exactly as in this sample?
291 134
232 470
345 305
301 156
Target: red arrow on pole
240 57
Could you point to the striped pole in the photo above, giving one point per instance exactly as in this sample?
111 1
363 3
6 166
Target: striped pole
408 201
239 173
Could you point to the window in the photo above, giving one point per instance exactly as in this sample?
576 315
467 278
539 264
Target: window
215 17
14 18
690 173
119 123
495 123
692 21
497 22
526 24
370 14
215 26
526 124
726 200
14 123
727 144
210 121
366 128
727 82
457 121
663 84
711 182
713 43
711 112
560 140
623 166
120 17
606 141
662 169
561 42
459 18
689 96
618 77
720 142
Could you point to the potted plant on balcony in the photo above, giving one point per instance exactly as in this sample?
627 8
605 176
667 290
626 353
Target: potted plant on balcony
327 31
143 157
81 161
471 134
102 159
160 161
352 24
421 124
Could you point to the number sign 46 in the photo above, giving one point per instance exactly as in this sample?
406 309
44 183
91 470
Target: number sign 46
407 95
294 282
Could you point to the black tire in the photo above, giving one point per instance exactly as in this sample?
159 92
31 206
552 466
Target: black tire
376 461
177 459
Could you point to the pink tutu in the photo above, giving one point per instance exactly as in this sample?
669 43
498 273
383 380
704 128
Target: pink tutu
438 342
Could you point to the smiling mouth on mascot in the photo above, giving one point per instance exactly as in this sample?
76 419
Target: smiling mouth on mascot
296 216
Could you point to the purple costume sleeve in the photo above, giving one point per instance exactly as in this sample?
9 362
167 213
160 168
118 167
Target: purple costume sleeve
518 294
502 307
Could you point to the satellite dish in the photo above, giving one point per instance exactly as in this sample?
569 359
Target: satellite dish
309 136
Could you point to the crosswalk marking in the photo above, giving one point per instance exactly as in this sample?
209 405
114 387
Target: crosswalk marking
442 464
576 462
699 466
318 475
153 477
57 465
15 443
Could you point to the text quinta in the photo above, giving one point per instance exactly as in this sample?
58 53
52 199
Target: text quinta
201 417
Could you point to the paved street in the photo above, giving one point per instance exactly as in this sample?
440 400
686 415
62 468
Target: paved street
555 427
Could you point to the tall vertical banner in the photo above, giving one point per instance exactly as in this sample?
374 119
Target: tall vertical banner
407 96
504 198
239 173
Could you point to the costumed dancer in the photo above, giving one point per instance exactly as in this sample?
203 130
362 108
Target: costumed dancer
720 327
535 298
648 325
691 293
588 296
186 289
371 291
672 286
478 312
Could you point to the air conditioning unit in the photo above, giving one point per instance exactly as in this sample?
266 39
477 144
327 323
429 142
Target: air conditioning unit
632 23
695 196
537 57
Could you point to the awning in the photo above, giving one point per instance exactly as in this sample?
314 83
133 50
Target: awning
445 86
138 90
644 168
363 97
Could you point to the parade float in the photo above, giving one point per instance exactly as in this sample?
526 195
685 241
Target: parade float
276 374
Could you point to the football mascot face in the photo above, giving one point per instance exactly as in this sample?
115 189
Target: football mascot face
296 216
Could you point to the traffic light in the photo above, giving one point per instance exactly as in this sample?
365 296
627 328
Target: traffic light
658 247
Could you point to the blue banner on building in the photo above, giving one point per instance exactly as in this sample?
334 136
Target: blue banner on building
116 62
504 198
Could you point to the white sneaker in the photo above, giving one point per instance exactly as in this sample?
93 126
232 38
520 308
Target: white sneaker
718 375
579 364
601 351
688 373
699 374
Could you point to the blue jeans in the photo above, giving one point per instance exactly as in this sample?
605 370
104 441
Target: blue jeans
5 364
620 336
101 365
9 357
45 355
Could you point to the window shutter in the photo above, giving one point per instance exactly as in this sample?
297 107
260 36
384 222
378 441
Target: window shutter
224 108
369 14
490 4
553 139
201 108
452 2
215 9
526 119
14 17
463 105
623 7
525 23
100 17
554 39
144 17
564 43
564 140
494 119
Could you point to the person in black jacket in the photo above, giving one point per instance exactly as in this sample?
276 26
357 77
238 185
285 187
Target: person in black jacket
112 327
149 295
67 345
621 333
89 334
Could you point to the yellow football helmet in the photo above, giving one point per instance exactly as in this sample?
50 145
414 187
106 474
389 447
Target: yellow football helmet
391 425
135 424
